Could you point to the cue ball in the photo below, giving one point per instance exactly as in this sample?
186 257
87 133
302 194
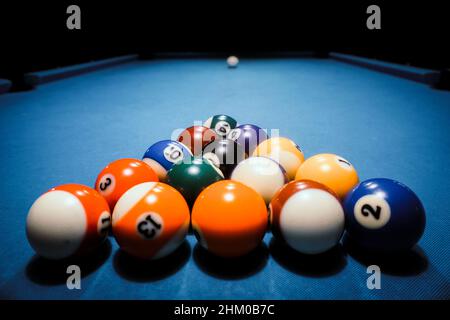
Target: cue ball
229 219
284 151
384 215
67 220
150 220
120 175
232 61
332 170
162 155
307 216
263 175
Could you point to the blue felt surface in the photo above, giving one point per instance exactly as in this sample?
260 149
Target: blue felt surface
68 130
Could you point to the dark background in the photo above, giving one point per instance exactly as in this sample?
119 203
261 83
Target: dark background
35 37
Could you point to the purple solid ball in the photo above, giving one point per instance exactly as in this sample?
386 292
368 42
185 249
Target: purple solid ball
249 136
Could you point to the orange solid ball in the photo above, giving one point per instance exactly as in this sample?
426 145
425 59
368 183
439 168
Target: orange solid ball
229 219
332 170
119 176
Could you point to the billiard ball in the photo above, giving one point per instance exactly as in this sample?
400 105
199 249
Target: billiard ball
224 154
232 61
262 174
229 219
66 221
221 124
331 170
120 175
150 220
249 136
196 138
191 177
307 216
284 151
162 155
384 215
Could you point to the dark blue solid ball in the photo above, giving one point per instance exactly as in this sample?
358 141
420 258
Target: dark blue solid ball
384 215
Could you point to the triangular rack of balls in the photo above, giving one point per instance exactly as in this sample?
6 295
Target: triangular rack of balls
227 182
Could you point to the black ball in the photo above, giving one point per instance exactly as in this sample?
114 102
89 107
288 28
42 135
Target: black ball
224 154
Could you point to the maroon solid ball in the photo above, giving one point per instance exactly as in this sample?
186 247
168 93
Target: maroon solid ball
196 138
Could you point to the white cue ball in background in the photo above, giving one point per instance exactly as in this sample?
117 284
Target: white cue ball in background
232 62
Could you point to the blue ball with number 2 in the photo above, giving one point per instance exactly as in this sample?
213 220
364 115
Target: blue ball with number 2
384 215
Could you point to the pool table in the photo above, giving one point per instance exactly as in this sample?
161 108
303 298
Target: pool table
386 123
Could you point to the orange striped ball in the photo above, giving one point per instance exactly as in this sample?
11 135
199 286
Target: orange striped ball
68 220
150 220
